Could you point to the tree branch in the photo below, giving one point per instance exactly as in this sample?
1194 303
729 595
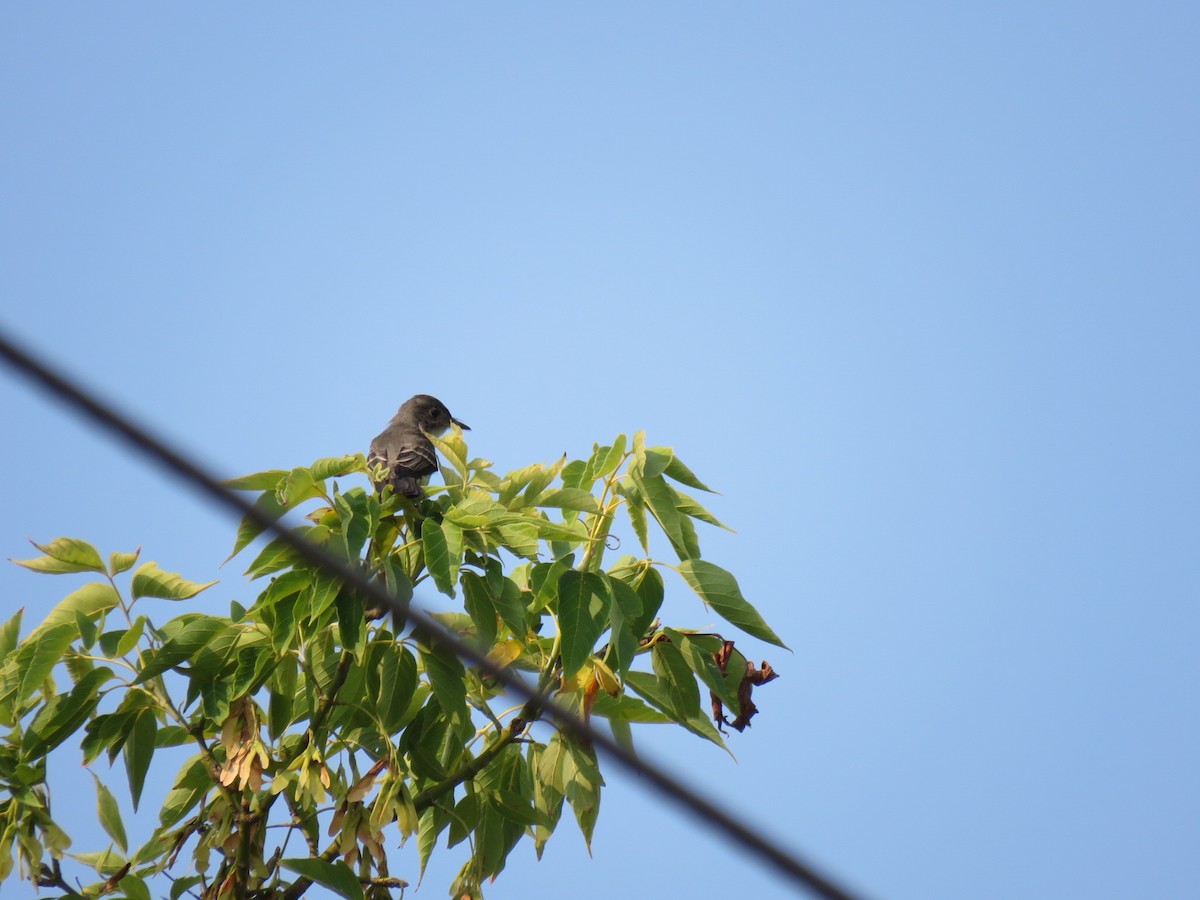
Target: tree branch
469 770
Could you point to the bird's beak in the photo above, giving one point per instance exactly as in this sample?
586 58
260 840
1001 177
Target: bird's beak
463 425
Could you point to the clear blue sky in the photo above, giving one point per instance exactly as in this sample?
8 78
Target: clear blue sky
917 287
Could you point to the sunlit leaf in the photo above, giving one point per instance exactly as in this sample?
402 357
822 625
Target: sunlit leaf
91 600
139 749
259 481
583 604
64 555
109 815
719 589
151 581
337 876
122 562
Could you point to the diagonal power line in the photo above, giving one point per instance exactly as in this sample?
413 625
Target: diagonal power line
786 863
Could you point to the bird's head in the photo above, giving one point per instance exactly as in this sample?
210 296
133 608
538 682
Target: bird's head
431 414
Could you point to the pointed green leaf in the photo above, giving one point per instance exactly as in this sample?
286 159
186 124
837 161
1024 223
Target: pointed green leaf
626 610
10 634
700 660
606 459
627 708
151 581
437 555
39 654
109 815
677 471
651 688
447 676
268 504
188 640
510 603
583 788
660 500
678 680
719 589
570 498
138 750
190 785
122 562
583 604
337 876
64 555
259 481
64 715
480 608
635 506
337 466
689 507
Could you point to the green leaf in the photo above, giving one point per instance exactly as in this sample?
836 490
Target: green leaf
358 515
604 465
268 504
259 481
151 581
447 676
138 750
122 562
480 608
276 556
437 554
109 815
677 471
660 500
336 466
39 654
541 478
282 696
635 506
181 886
627 708
63 715
583 604
522 537
299 485
190 785
510 604
651 688
91 600
570 498
337 876
129 640
719 589
704 665
583 789
134 888
191 638
678 680
689 507
10 634
64 555
480 512
397 685
626 610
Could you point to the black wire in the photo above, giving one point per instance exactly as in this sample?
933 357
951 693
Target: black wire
424 627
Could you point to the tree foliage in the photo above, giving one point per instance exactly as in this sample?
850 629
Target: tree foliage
321 736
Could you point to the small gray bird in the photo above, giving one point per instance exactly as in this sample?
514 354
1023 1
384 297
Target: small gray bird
404 448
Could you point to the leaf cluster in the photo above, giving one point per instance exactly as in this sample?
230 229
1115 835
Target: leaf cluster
317 728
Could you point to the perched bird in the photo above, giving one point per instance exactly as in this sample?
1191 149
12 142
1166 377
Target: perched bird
404 448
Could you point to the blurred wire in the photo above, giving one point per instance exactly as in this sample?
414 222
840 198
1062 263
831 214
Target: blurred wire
423 626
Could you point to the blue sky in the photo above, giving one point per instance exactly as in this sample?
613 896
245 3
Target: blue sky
916 288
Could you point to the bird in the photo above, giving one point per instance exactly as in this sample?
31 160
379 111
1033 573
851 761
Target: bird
404 447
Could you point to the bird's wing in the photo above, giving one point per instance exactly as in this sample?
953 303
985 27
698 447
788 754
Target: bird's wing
404 452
